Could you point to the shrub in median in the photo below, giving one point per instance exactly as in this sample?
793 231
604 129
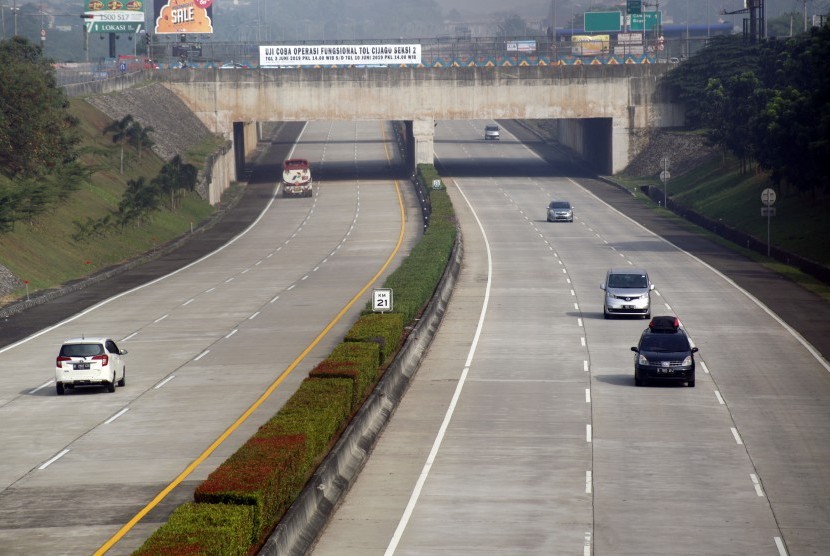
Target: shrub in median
357 361
317 410
383 329
202 530
262 475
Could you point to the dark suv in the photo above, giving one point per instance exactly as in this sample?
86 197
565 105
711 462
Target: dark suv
664 353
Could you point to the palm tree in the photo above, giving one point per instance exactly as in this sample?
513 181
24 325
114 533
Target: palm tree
120 130
139 136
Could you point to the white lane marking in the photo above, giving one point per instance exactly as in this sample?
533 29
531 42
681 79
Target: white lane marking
419 485
588 433
793 332
573 293
720 399
705 368
231 333
586 549
587 395
210 290
291 287
133 335
160 318
585 365
188 302
316 268
782 551
582 340
42 386
259 262
564 271
737 436
588 482
255 315
116 416
163 382
275 298
576 307
304 277
230 279
757 484
202 355
668 307
578 321
54 459
246 271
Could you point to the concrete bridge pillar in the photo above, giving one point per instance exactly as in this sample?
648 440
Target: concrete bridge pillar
423 131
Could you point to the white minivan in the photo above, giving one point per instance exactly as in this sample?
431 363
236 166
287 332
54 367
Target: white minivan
627 292
90 362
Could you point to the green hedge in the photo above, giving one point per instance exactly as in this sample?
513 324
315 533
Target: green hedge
261 474
383 329
264 477
357 361
415 280
203 530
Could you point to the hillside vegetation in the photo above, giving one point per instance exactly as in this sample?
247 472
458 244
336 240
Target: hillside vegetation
63 210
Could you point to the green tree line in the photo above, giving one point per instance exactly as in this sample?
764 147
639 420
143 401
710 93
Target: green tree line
39 150
767 103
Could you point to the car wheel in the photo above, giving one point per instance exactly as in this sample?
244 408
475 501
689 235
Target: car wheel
637 380
647 315
605 313
123 381
691 383
111 383
59 388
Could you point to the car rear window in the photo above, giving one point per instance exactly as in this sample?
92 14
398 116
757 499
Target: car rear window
560 205
81 350
492 128
627 281
665 342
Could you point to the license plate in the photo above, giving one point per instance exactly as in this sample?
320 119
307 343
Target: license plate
81 366
628 306
666 371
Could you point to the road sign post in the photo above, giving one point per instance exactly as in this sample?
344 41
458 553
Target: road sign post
382 300
768 199
664 177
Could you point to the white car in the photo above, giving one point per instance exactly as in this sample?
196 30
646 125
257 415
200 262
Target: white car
90 362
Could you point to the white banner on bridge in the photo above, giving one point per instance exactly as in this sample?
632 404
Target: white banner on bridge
340 55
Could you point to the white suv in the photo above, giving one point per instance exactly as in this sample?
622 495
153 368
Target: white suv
90 362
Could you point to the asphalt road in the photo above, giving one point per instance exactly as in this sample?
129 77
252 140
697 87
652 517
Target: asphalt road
205 341
523 431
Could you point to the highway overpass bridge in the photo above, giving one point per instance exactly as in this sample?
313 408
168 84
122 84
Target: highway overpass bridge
600 107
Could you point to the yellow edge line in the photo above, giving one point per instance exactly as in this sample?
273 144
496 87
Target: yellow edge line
216 443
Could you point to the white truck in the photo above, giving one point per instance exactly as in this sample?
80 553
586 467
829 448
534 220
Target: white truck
296 178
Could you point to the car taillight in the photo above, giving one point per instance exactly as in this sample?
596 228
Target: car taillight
104 359
61 359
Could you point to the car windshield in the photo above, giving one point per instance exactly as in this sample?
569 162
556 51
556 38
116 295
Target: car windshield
627 281
664 342
81 350
492 128
560 205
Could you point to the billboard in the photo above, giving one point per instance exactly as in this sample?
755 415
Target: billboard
176 17
340 55
114 16
590 45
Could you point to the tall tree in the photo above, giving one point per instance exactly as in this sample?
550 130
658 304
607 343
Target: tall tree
37 133
120 130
